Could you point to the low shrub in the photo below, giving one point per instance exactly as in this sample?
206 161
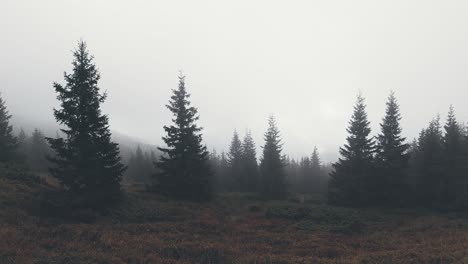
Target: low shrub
287 212
254 208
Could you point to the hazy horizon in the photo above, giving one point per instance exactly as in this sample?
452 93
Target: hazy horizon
303 62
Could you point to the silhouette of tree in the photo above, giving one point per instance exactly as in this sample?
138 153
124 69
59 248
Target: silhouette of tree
391 157
87 162
8 142
350 182
273 182
185 172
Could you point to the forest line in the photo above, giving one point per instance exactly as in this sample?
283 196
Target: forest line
386 170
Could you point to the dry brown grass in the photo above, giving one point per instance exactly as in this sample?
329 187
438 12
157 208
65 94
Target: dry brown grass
149 229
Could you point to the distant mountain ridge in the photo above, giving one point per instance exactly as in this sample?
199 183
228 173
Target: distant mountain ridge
127 144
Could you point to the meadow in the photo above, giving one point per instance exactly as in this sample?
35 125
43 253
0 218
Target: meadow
234 228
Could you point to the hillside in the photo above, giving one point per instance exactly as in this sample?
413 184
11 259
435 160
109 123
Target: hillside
127 144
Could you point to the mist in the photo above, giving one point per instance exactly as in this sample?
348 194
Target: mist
304 62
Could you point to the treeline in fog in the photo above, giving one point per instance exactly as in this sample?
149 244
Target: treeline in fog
380 168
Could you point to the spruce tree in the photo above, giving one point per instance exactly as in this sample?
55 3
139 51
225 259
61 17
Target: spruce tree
22 145
249 163
430 165
235 164
391 157
87 162
273 176
315 159
153 157
316 181
8 142
351 179
140 167
38 152
455 160
215 165
185 172
293 174
305 181
224 178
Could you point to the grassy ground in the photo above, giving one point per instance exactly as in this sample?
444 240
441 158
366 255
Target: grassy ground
232 229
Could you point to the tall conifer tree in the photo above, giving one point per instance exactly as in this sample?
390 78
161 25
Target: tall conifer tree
223 175
430 164
235 163
87 163
455 160
140 166
185 171
273 176
315 159
8 142
351 179
249 163
316 181
391 157
22 145
38 151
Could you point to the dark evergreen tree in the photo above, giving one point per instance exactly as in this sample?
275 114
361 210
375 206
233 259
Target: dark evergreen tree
305 180
8 142
315 161
235 164
350 182
317 182
153 157
249 163
273 182
38 151
87 162
23 145
413 173
223 175
429 162
455 162
293 175
391 157
140 167
215 164
185 171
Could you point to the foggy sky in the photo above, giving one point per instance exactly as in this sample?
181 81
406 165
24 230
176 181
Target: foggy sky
303 61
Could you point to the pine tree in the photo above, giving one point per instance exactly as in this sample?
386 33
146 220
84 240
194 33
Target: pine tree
23 144
38 152
273 182
413 172
315 159
293 174
140 167
235 164
87 162
224 178
8 142
153 157
391 157
185 172
305 181
454 160
249 163
317 179
351 179
215 165
430 161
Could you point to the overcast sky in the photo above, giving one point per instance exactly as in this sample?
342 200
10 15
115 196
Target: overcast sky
303 61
